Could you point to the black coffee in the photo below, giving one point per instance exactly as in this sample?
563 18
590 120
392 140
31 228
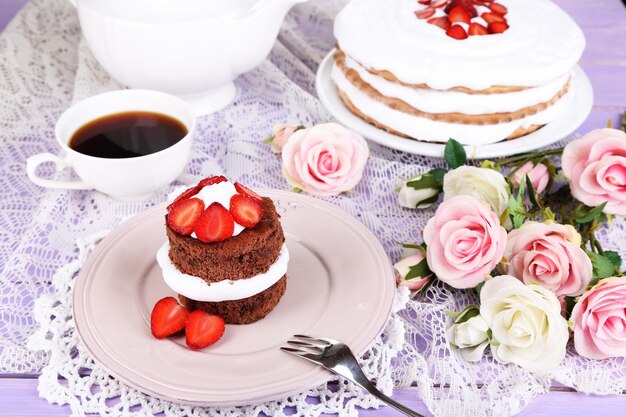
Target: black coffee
126 135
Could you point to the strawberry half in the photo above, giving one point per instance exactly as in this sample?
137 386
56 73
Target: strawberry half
425 13
459 14
189 192
442 22
203 329
424 2
477 29
212 180
492 17
438 3
497 27
184 215
246 211
498 8
468 5
214 224
168 317
243 190
457 32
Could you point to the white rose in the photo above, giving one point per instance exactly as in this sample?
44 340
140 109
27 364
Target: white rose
526 323
471 337
410 197
484 184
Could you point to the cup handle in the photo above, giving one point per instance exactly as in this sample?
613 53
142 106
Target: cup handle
34 161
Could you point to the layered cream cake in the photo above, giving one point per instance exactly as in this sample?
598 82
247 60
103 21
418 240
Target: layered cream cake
476 71
226 251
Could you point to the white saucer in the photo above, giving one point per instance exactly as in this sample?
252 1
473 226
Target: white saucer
576 112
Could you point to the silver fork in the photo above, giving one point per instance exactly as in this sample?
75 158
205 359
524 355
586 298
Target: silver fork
338 358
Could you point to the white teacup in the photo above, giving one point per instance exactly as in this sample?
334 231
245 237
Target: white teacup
123 178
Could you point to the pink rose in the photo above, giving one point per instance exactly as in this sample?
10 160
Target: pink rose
464 241
599 319
596 167
281 134
548 254
324 160
538 175
403 268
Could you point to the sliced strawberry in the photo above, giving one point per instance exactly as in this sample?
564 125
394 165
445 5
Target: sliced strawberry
425 13
203 329
477 29
243 190
438 3
459 14
184 215
442 22
424 2
168 317
212 180
214 224
498 8
189 192
468 5
492 17
497 27
457 32
246 211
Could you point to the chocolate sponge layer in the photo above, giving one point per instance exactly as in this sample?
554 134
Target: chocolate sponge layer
238 257
244 311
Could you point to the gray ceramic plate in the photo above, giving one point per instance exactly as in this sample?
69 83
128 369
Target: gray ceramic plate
340 285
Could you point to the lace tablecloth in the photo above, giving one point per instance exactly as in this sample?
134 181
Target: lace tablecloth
46 234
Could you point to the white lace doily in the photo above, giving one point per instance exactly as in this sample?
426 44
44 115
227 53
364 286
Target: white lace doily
44 67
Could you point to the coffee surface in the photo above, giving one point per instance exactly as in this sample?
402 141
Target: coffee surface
127 135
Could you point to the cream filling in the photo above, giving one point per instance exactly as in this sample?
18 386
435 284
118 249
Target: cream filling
429 130
438 101
198 289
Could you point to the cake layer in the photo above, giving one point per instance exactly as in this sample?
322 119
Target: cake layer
542 44
198 289
245 311
508 105
422 128
248 254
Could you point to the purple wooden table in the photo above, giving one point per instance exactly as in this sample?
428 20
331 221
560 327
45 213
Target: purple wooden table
604 24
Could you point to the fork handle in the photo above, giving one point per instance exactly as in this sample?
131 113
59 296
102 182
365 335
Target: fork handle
371 388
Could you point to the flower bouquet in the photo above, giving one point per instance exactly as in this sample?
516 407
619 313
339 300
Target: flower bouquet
521 231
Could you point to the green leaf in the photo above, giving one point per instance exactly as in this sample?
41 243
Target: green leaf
479 287
269 140
548 215
516 207
299 127
425 181
592 214
614 257
454 154
602 265
438 173
531 192
468 313
488 164
418 270
570 302
429 200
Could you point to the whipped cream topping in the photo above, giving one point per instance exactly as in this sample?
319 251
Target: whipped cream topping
542 44
198 289
426 129
219 193
437 101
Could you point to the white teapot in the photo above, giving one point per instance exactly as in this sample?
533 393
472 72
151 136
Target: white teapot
191 48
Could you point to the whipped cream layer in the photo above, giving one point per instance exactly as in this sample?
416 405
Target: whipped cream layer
437 101
429 130
198 289
542 44
218 193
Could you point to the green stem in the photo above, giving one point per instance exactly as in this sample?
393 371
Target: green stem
528 156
